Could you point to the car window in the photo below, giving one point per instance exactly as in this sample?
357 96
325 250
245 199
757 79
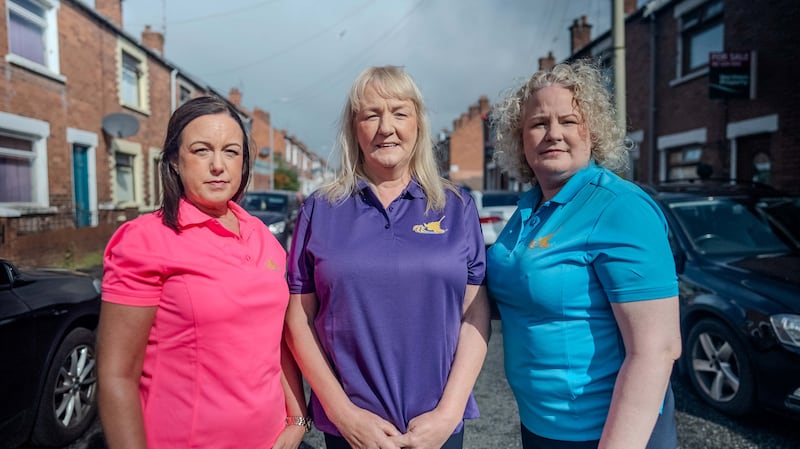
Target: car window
265 203
726 227
500 199
783 214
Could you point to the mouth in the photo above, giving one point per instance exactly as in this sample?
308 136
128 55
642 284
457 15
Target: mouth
387 145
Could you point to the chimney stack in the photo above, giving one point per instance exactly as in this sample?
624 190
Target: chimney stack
154 40
483 104
111 10
581 33
235 96
548 62
629 7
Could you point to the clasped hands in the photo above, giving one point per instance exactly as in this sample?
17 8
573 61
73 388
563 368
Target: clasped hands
365 430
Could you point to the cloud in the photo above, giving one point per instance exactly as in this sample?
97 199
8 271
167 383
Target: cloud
296 59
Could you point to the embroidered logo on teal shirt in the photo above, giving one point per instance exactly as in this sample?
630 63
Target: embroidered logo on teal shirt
433 227
541 242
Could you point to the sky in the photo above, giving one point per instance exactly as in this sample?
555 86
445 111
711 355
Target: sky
297 59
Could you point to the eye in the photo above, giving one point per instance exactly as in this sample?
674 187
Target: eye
232 152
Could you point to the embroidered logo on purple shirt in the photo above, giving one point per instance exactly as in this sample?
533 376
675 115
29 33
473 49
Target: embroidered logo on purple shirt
433 227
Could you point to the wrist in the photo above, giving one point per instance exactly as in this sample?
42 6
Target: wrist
300 421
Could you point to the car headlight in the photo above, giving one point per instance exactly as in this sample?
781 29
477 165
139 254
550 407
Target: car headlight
278 227
787 328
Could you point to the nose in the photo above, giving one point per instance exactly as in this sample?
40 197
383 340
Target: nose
555 131
217 164
386 127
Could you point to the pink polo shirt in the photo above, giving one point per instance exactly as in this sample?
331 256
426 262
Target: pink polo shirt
211 374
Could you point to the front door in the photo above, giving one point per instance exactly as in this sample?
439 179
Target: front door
80 181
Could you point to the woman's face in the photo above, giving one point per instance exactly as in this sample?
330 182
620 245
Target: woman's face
210 161
386 129
554 136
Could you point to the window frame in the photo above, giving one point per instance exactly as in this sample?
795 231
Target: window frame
134 150
124 49
696 13
37 132
49 24
154 177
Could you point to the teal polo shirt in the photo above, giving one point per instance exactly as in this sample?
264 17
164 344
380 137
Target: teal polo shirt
553 273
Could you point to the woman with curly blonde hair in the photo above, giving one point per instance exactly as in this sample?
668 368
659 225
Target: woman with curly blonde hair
582 274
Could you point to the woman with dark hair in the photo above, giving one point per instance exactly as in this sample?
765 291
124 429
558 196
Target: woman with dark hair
388 318
194 296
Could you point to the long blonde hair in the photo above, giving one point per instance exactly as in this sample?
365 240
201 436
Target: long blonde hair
389 82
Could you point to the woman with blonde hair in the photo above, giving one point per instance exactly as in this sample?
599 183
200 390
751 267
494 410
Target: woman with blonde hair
388 319
582 274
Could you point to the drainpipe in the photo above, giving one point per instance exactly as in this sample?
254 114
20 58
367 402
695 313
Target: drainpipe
651 103
173 81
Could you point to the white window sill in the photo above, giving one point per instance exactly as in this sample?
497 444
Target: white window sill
688 77
35 67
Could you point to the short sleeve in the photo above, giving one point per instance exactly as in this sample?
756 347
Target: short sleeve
476 248
632 256
300 266
132 272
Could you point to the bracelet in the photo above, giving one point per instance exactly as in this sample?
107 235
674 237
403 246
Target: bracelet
302 421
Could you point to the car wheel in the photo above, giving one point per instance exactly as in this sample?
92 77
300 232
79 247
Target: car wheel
719 367
69 400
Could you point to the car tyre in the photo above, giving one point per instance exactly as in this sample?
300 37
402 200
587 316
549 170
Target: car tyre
68 404
719 367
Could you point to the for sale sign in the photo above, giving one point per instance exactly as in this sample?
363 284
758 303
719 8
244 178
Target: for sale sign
731 74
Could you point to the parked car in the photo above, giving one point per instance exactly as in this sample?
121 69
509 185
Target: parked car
738 262
47 355
278 209
495 207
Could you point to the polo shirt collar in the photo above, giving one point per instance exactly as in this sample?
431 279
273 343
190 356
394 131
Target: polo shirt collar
530 199
189 215
576 183
412 190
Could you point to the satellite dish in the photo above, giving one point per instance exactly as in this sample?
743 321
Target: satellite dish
120 124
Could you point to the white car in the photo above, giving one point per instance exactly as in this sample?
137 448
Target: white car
495 207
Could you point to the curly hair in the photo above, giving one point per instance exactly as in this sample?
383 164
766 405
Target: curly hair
389 82
587 84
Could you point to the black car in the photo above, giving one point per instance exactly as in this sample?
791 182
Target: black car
47 355
278 209
738 262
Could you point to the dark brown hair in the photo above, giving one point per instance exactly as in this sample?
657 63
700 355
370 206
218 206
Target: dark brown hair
170 180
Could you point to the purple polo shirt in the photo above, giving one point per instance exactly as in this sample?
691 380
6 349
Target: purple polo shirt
390 285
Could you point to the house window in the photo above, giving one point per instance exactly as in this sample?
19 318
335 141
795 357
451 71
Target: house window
133 78
16 170
23 161
33 34
683 163
702 32
184 94
126 191
155 176
129 177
